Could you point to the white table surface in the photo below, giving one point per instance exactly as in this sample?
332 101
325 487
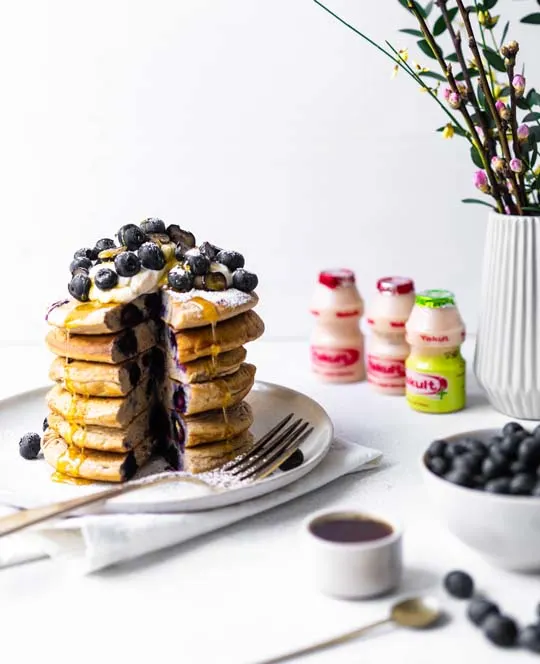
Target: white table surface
242 594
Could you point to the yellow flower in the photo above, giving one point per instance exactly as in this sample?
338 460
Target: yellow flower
537 170
404 55
448 131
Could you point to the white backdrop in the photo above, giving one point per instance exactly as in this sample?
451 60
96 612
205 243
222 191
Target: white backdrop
263 126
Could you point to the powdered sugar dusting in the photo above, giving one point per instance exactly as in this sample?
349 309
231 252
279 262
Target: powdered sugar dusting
232 297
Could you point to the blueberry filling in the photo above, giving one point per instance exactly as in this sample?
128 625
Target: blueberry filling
131 315
179 399
134 373
127 343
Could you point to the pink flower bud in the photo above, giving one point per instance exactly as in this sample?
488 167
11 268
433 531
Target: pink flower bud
518 83
523 132
498 164
507 209
516 165
503 110
480 133
481 181
462 89
511 188
454 100
446 93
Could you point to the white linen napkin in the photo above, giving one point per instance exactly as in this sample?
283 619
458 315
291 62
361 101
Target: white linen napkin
93 542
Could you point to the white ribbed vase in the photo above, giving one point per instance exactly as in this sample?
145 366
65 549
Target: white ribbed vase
507 356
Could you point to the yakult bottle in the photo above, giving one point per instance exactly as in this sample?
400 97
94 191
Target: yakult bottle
337 344
435 366
387 346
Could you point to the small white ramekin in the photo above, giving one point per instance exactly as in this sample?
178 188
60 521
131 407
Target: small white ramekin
355 570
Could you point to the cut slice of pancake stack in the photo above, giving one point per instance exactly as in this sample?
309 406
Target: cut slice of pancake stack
149 357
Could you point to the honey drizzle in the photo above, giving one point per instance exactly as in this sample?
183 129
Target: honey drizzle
59 477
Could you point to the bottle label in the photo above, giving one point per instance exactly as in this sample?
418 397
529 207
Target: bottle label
428 385
382 367
438 389
334 358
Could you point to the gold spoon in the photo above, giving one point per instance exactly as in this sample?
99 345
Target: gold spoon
416 612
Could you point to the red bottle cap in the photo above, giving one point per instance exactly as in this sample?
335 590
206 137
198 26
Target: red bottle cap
395 285
336 278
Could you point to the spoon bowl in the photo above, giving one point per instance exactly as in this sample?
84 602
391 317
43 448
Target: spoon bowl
416 612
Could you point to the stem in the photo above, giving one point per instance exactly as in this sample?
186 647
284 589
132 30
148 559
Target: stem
396 60
487 92
513 125
447 70
483 36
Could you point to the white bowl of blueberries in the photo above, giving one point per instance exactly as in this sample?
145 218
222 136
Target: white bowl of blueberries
485 485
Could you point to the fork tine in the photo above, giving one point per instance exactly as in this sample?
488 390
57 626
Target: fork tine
232 465
262 451
278 454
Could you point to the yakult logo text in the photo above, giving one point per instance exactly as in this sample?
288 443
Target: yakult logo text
335 357
428 385
387 368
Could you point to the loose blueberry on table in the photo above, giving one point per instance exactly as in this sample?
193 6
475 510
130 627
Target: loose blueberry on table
30 445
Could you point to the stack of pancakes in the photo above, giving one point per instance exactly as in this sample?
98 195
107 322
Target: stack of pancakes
207 378
163 374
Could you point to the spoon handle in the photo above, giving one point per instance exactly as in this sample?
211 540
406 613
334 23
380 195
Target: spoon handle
336 640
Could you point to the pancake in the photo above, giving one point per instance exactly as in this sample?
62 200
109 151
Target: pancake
97 318
116 413
198 308
206 368
212 426
91 464
192 344
218 393
108 348
100 438
212 456
107 380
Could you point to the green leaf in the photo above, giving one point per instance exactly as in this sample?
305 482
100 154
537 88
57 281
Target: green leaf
475 156
457 130
410 31
531 117
533 19
440 23
476 201
534 155
535 131
481 96
533 98
472 74
494 59
426 48
489 4
505 91
428 8
452 57
419 7
432 74
531 208
522 103
505 31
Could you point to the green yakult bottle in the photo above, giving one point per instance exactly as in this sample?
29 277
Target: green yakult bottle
435 368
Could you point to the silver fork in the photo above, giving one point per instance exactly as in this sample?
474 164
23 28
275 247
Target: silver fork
261 460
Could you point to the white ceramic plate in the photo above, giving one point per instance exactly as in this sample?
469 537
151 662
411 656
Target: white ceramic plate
27 483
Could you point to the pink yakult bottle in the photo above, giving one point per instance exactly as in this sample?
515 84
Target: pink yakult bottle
337 344
387 347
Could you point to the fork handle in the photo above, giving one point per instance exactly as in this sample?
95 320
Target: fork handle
25 518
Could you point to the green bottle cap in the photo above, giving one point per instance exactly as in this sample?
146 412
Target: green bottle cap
433 299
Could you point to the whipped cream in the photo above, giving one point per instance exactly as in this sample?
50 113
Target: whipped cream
128 288
219 267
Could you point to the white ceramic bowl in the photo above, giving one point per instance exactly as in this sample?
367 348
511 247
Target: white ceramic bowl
503 529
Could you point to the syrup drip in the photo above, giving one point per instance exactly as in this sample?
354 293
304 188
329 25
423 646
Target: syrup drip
57 476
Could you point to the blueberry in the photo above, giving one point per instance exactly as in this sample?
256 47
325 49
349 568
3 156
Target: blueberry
509 445
459 477
79 286
478 482
477 447
459 584
214 281
479 609
437 465
529 638
151 256
127 264
103 244
153 225
437 448
198 264
529 451
536 432
294 461
80 264
470 463
180 280
492 468
454 449
209 250
183 238
105 279
498 485
518 467
244 280
131 236
495 440
86 252
511 427
522 484
29 445
179 253
536 490
45 424
500 630
232 259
